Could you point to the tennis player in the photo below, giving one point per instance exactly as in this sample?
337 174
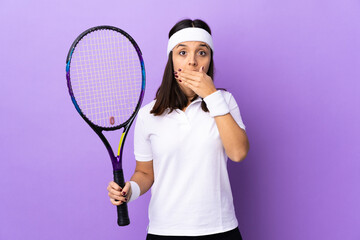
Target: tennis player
182 141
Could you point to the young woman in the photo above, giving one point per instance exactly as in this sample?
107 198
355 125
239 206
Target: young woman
182 141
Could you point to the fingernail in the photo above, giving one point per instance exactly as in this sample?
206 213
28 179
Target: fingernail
176 76
179 69
175 72
180 80
126 199
124 193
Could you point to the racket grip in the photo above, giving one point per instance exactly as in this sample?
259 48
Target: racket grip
122 210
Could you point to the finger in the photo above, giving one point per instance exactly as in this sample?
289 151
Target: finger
191 72
190 76
118 197
113 192
126 189
192 83
201 69
186 79
116 202
115 186
189 85
199 73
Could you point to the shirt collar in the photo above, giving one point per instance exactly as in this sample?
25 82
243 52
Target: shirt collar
198 99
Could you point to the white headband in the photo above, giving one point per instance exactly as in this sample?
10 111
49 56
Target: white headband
189 34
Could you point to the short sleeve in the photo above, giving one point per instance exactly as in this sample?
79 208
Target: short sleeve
235 111
142 144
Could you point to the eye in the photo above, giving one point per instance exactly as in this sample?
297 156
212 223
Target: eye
182 53
202 53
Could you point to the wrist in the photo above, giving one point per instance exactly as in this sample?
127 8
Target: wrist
210 92
216 104
135 191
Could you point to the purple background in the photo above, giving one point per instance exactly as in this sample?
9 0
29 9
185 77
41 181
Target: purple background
293 68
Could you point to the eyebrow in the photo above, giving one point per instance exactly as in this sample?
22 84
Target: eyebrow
201 45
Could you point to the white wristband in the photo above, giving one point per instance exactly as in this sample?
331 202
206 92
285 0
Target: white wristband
216 104
135 191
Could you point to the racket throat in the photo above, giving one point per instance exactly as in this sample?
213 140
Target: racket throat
117 164
120 144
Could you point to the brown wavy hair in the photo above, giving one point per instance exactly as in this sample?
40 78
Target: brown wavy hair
169 95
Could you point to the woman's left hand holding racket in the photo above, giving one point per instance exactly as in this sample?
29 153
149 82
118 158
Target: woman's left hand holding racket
117 194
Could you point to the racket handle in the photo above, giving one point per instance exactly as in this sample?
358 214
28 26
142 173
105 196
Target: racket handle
122 210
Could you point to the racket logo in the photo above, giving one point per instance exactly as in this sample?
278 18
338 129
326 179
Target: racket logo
112 120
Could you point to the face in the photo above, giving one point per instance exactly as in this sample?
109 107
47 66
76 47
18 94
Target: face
191 55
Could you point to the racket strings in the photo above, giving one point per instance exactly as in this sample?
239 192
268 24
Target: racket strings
106 77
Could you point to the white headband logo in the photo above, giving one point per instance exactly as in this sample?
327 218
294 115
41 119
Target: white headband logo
189 34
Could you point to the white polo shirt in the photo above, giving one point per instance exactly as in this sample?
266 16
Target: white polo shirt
191 194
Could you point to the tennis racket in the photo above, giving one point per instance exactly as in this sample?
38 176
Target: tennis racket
106 79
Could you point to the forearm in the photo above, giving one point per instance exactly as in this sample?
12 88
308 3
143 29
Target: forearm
233 137
144 180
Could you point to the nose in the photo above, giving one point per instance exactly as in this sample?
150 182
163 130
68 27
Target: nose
192 60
